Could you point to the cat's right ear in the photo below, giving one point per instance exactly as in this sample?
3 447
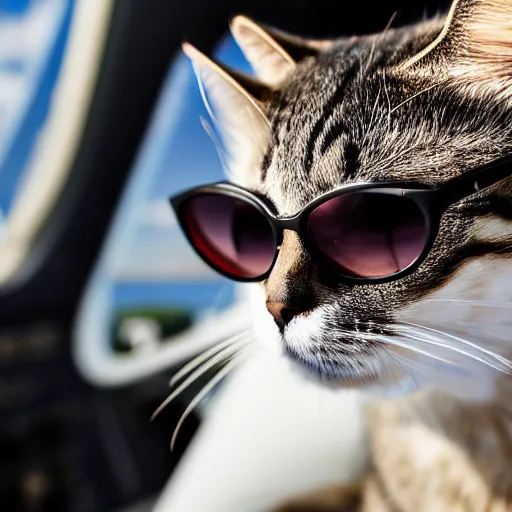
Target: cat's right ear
236 104
474 47
272 54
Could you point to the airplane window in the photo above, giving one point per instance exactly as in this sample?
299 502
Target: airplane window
152 302
29 67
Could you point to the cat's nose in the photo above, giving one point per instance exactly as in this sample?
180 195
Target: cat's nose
282 314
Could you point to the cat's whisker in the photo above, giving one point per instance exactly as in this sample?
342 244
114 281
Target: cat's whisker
428 340
456 338
218 358
370 124
417 367
378 37
402 343
390 22
492 361
192 365
400 105
387 96
406 366
231 365
463 341
419 407
478 303
392 370
221 357
370 56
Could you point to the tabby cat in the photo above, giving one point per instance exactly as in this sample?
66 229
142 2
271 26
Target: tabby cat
415 107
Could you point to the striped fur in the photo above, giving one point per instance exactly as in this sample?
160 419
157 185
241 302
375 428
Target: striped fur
365 109
347 115
422 103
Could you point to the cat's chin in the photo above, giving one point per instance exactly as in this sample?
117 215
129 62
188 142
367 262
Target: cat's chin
377 380
358 374
372 384
338 363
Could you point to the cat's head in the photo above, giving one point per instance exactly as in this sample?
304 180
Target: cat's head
422 103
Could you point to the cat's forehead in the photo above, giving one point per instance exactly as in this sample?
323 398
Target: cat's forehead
344 118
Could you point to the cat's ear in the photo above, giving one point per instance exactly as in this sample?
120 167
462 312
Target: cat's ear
236 104
271 53
475 44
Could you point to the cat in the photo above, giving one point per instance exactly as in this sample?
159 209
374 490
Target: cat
423 103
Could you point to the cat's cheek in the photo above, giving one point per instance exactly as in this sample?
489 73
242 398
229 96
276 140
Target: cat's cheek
470 298
471 314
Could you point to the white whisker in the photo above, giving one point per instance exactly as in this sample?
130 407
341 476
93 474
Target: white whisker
387 97
429 340
458 378
372 50
405 363
393 373
413 96
507 365
478 303
222 356
371 123
206 389
183 372
402 343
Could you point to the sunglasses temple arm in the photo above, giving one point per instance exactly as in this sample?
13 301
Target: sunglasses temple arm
477 181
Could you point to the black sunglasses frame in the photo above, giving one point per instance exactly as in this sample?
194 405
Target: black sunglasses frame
432 201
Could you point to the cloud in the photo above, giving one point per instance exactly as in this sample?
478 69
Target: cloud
29 35
25 43
158 213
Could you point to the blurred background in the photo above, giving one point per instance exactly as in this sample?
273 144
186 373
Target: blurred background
101 299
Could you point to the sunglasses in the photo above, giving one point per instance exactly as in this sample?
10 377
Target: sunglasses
369 233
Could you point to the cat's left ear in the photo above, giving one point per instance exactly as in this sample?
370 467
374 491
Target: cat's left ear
474 44
272 54
236 104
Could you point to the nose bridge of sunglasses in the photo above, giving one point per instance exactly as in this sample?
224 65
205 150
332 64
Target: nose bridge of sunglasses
291 224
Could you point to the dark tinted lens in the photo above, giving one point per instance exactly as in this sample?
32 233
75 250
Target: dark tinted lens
369 234
231 234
